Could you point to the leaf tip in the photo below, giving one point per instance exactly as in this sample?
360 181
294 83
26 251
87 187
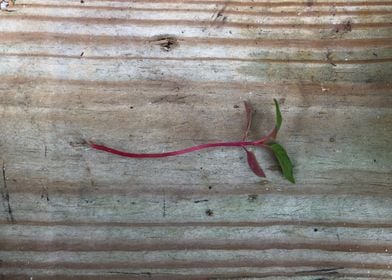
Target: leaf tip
283 160
278 114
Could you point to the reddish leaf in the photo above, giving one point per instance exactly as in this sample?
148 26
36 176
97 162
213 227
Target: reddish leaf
253 164
278 123
248 112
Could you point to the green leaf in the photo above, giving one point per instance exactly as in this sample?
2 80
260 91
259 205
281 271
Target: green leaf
278 115
284 161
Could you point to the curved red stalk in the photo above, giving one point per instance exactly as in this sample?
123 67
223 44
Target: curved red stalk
251 158
272 135
248 112
173 153
267 141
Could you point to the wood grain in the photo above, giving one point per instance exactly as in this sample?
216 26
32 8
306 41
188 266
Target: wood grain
151 76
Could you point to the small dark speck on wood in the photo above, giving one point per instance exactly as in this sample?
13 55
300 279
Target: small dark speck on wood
252 197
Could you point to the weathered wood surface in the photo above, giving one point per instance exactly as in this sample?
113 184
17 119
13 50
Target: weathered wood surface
166 74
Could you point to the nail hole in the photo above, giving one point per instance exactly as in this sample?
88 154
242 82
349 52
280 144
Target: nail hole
209 212
252 197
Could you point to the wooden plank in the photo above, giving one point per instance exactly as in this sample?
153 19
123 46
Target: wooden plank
166 74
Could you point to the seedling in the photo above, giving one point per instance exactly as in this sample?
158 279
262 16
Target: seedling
268 141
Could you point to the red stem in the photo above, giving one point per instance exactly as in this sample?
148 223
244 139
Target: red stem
178 152
273 134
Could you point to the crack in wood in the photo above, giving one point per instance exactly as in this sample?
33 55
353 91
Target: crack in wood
218 17
200 200
166 42
329 58
146 274
45 194
177 99
164 206
6 197
332 270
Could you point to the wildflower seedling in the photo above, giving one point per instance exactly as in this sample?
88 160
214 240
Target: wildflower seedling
268 142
